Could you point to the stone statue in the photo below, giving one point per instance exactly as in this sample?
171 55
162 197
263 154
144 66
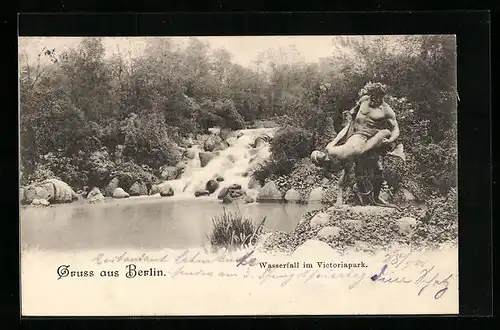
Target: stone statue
369 133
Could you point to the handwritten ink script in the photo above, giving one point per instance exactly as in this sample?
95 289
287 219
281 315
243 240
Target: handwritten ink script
426 279
395 268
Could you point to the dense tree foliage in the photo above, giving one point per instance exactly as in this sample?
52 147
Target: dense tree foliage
83 111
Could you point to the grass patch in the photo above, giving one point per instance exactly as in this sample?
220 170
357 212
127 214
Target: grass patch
232 231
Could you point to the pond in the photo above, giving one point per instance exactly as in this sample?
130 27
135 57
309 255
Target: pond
142 222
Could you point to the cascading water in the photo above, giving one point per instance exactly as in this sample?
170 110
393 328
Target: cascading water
232 164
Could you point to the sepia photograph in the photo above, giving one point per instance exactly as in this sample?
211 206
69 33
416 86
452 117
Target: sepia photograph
238 175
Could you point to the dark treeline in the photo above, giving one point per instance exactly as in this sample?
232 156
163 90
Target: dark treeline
83 111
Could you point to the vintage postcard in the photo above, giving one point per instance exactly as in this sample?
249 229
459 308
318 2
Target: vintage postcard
259 175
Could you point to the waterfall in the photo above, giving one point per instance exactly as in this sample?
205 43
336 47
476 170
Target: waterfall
232 164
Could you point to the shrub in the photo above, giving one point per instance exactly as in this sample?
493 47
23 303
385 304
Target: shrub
129 172
42 172
232 231
147 142
305 176
264 171
324 132
99 167
289 145
440 221
59 166
438 165
231 118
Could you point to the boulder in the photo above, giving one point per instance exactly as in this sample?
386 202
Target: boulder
95 195
316 195
169 173
240 134
40 202
120 193
219 178
232 193
408 196
235 186
269 193
313 247
260 140
363 246
166 190
292 195
320 219
190 153
406 224
227 199
111 187
52 190
356 224
205 158
138 189
211 186
329 232
236 193
201 192
214 143
248 199
223 192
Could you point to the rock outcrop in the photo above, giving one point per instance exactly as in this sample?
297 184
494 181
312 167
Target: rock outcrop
406 225
120 193
214 143
293 196
52 190
205 158
166 190
329 232
316 195
40 202
320 219
269 193
261 140
234 193
201 192
95 195
211 186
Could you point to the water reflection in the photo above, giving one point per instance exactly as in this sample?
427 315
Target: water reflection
134 223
